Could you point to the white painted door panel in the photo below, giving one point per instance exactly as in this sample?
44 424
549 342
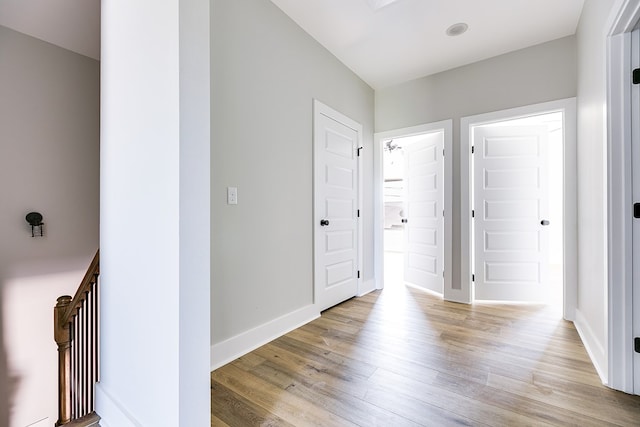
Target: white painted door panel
424 200
336 206
510 202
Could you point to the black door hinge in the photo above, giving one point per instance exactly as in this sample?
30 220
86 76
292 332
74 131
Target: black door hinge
636 76
359 148
473 149
358 274
636 210
473 213
473 277
637 342
358 213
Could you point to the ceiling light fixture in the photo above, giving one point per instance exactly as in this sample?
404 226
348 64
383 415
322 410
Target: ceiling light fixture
457 29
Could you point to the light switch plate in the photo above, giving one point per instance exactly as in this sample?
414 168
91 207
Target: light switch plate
232 195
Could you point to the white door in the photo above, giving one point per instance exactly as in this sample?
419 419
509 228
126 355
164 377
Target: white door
336 210
510 208
424 214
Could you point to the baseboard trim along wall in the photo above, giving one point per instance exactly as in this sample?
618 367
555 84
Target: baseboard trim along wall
367 286
111 412
595 349
232 348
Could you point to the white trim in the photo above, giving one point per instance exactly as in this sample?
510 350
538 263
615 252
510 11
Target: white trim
623 18
112 413
570 208
378 211
619 201
318 109
568 107
446 126
232 348
466 242
42 423
368 286
591 344
448 208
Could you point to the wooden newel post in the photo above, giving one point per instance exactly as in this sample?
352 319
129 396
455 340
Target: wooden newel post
62 335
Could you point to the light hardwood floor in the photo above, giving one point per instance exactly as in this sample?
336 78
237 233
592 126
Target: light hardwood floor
403 357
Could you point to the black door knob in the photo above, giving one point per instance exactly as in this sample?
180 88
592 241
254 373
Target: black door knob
544 222
405 220
324 222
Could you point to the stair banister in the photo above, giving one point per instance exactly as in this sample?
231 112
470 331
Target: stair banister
76 331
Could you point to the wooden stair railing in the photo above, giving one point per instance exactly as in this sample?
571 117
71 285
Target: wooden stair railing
76 331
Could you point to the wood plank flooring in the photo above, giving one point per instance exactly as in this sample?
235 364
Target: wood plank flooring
403 357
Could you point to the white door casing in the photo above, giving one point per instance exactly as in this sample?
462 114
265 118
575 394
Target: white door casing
617 366
337 235
424 212
510 203
635 176
569 208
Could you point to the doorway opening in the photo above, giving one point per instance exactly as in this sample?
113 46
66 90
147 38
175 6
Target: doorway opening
394 205
413 196
518 196
518 206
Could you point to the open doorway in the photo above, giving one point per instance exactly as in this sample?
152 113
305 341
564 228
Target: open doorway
518 198
394 205
413 208
518 205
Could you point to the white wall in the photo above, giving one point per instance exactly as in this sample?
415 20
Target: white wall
154 214
591 316
265 73
533 75
49 162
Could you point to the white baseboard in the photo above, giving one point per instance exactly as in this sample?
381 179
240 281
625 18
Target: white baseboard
595 348
41 423
232 348
112 413
367 286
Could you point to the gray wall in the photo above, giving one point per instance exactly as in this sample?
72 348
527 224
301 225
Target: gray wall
49 162
536 74
265 73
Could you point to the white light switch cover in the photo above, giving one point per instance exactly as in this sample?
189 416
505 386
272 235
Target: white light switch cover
232 195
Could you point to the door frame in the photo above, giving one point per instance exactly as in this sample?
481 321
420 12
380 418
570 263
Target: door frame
446 126
322 109
570 232
620 353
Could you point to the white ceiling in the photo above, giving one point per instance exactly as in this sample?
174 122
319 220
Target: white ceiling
385 42
71 24
406 39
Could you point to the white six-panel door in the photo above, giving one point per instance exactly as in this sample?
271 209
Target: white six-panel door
424 204
510 206
336 251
